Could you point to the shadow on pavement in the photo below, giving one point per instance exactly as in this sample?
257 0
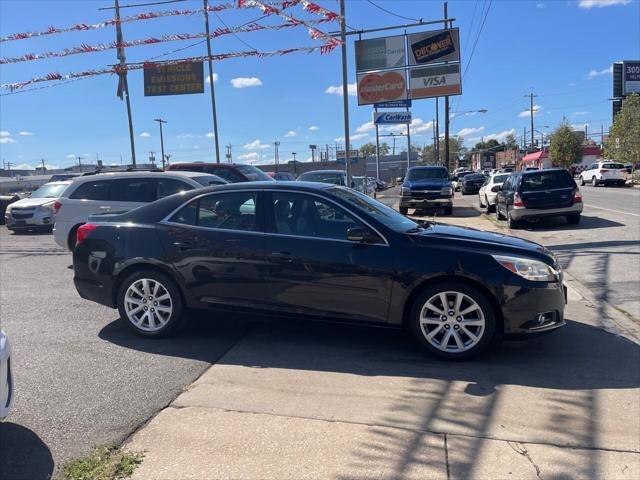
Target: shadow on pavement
23 455
560 223
590 245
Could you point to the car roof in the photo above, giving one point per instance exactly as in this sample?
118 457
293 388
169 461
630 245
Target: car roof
544 170
427 167
206 164
324 171
142 173
58 182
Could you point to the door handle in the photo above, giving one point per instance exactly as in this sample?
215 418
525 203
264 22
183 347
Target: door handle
282 256
105 208
184 246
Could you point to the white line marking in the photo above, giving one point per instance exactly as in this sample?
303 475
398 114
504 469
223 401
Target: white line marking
612 210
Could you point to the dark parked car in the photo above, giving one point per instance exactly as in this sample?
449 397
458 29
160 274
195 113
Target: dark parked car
334 177
426 187
320 251
231 172
471 183
282 176
531 195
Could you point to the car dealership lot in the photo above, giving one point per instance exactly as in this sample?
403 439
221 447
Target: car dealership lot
280 399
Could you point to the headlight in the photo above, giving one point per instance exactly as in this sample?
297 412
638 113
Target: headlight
446 191
48 205
530 269
404 191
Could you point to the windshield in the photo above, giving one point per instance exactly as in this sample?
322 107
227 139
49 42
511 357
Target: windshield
322 177
500 178
207 180
547 181
417 174
385 215
475 176
49 191
253 173
615 166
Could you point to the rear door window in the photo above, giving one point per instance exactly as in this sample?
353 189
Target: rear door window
547 181
228 174
133 190
98 190
225 211
171 186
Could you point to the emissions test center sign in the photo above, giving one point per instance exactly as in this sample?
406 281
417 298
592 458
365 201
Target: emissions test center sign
175 79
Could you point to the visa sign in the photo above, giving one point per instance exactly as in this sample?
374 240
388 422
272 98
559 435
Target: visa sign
391 118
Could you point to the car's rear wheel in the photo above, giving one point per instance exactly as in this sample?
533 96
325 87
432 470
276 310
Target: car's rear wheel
582 182
480 204
150 304
453 320
448 210
71 240
511 223
487 205
594 182
403 210
573 219
499 215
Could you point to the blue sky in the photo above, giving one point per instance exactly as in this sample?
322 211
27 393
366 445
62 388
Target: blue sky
561 50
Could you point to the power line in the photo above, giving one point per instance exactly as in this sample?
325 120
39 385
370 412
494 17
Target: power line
394 14
475 44
234 33
144 4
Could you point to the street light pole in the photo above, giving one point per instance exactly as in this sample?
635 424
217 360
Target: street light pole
160 122
211 88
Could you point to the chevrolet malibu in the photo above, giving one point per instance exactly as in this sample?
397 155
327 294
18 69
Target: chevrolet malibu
320 251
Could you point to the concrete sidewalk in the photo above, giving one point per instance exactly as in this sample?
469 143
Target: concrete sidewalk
321 401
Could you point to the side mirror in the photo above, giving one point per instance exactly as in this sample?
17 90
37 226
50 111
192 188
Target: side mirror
362 235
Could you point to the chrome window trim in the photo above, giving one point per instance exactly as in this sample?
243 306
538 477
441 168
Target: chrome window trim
209 229
166 221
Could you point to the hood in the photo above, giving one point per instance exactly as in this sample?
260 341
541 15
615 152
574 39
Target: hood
31 202
426 184
480 239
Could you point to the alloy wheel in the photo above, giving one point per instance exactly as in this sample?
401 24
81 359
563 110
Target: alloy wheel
148 304
452 322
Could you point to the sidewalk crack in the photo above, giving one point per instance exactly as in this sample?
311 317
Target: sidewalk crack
446 456
522 450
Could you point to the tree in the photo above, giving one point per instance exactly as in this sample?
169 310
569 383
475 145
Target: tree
369 149
510 142
623 143
566 147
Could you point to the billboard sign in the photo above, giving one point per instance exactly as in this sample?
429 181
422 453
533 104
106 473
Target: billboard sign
341 155
435 81
379 53
391 118
397 104
434 47
378 87
630 78
175 79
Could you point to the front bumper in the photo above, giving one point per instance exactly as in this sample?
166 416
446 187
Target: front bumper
20 221
416 202
524 213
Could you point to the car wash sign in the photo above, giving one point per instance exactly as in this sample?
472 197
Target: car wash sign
175 79
391 118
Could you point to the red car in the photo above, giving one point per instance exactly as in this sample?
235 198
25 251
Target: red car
231 172
282 176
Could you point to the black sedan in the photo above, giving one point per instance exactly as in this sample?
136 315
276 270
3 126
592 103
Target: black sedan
471 184
320 251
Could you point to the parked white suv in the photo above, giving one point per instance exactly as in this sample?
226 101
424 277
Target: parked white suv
118 193
36 211
6 376
488 191
603 173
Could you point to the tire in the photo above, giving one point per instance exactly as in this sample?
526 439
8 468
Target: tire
480 204
582 182
167 295
573 219
487 209
448 210
594 182
511 223
499 215
421 326
403 210
71 239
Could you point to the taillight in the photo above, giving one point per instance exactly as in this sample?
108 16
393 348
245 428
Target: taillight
577 196
602 170
56 207
83 231
517 201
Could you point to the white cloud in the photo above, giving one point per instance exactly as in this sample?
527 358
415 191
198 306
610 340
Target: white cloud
578 114
314 128
244 82
500 136
291 133
366 127
249 156
579 126
4 133
5 137
210 135
215 77
337 89
256 145
71 155
470 131
588 4
145 134
25 134
596 73
527 113
359 136
23 166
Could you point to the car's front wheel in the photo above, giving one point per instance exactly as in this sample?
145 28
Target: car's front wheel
453 320
594 181
487 205
582 182
150 304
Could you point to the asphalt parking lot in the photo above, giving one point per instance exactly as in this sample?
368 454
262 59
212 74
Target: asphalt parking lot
83 379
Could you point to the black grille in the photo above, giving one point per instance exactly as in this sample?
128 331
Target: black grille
21 215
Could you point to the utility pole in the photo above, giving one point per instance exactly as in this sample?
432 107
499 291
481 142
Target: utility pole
167 156
276 145
294 156
435 142
437 127
7 165
531 97
152 158
377 150
446 107
394 147
211 88
326 156
160 122
524 138
229 157
123 85
601 136
79 164
345 92
44 169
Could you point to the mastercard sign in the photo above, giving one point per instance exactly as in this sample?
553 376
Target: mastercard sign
380 87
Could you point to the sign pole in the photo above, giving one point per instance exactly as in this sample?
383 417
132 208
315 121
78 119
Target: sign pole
408 144
446 110
123 86
377 150
345 91
211 88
